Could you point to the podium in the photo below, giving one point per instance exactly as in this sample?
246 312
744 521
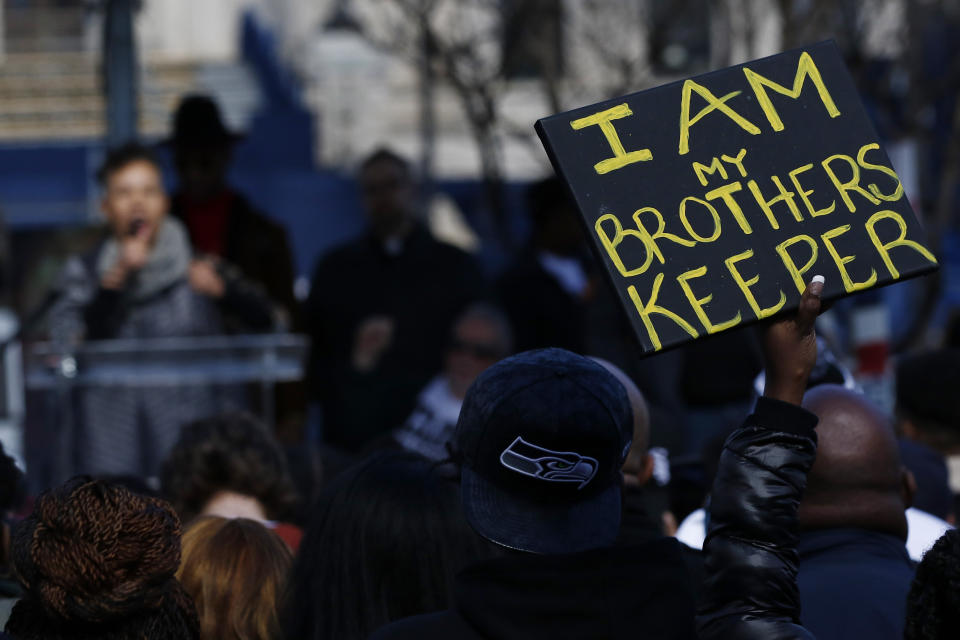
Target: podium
260 360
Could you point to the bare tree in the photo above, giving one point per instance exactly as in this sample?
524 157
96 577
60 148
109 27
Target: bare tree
609 45
578 51
457 43
902 25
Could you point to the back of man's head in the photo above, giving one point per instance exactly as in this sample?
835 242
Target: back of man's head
857 479
638 466
542 436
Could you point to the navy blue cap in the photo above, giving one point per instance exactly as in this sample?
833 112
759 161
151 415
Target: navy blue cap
543 436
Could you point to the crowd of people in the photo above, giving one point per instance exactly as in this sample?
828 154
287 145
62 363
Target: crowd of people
493 459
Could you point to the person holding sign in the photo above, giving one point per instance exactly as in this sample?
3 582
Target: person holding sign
750 590
710 202
542 437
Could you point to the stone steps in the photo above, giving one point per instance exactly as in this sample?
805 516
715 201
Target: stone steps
53 96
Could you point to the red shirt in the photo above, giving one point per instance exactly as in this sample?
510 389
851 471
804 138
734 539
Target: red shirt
289 533
207 222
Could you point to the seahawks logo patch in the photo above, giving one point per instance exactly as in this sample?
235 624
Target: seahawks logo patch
547 465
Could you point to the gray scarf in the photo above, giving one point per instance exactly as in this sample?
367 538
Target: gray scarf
168 262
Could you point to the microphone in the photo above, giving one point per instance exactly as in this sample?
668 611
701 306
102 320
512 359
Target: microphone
135 227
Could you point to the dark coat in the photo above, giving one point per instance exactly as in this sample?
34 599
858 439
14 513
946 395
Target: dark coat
541 312
259 249
617 592
630 592
638 525
750 591
854 584
422 289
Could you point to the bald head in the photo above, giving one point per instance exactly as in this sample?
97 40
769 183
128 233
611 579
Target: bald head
857 479
636 462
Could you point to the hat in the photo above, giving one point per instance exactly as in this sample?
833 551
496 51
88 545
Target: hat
542 436
197 122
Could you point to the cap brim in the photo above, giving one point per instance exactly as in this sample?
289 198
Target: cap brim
540 528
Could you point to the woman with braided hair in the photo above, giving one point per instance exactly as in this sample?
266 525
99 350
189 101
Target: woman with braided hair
97 561
933 604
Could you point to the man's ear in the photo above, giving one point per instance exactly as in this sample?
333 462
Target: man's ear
907 429
636 472
646 469
908 487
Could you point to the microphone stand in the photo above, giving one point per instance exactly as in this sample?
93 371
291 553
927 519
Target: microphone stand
61 405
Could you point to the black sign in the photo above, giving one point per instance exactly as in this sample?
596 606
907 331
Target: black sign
713 201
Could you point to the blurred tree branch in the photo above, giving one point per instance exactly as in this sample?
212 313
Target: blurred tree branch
456 43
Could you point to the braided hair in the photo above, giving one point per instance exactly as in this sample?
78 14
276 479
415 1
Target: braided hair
98 561
933 604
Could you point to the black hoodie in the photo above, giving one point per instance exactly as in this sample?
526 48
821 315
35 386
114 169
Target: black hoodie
621 592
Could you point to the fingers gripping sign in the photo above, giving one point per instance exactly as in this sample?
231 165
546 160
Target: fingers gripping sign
790 347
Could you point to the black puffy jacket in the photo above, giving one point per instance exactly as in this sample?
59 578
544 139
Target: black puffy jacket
750 589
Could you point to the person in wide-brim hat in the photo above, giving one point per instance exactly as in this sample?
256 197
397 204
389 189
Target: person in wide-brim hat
225 229
198 122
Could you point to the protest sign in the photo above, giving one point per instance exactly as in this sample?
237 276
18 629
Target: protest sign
712 201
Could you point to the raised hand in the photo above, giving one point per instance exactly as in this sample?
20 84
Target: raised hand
373 337
135 248
204 278
790 348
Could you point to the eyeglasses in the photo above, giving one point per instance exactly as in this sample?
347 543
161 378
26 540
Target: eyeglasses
475 349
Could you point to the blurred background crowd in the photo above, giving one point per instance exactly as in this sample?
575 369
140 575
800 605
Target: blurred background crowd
304 227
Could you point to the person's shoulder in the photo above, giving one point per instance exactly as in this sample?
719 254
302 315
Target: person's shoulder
78 270
345 253
450 253
443 624
78 265
521 272
255 219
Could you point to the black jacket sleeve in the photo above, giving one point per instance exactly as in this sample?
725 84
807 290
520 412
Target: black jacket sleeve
245 304
104 314
751 560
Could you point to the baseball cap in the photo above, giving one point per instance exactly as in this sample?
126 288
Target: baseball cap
542 436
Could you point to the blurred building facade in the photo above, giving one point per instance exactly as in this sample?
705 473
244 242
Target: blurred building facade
360 70
453 84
